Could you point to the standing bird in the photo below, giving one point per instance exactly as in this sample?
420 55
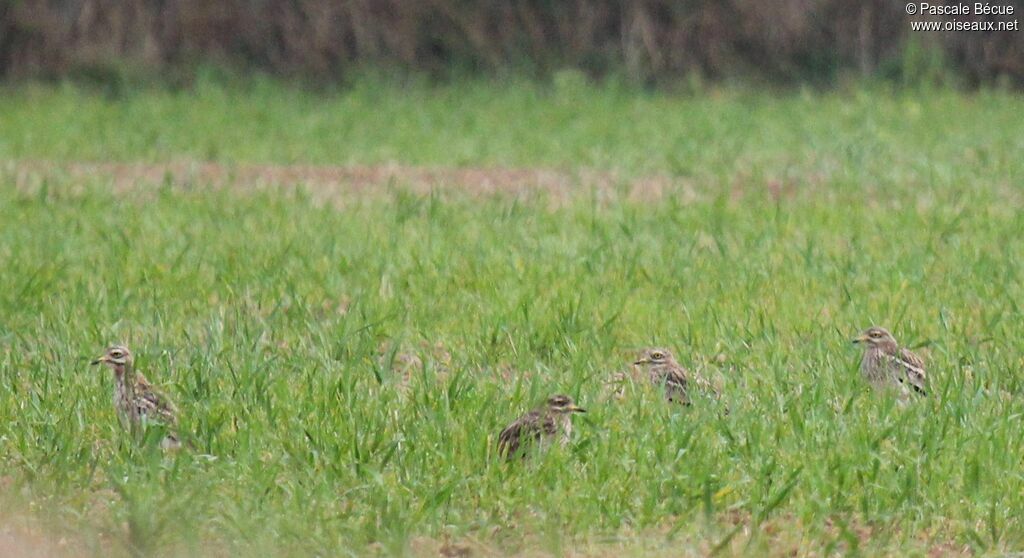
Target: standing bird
664 372
136 400
885 364
541 425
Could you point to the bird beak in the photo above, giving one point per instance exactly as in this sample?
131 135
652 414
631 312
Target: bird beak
98 360
860 339
642 361
576 409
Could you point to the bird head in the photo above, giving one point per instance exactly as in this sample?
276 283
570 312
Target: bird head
654 355
117 357
876 337
563 404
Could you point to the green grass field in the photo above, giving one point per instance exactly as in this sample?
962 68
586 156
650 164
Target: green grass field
285 328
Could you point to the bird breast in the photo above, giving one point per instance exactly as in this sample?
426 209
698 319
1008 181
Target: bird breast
875 365
123 398
565 425
658 374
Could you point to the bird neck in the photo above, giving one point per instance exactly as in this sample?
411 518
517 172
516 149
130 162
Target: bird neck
125 375
564 422
876 355
667 363
889 347
663 368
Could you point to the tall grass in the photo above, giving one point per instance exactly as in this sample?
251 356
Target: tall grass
281 326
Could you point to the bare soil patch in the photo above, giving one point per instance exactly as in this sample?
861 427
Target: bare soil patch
331 182
23 542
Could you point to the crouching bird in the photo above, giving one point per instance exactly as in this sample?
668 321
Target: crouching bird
887 365
539 427
137 402
665 373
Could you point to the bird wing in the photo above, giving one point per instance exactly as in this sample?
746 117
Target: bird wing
526 428
153 404
912 367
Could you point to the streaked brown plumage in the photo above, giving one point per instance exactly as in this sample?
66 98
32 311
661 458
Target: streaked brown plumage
887 365
540 426
664 372
135 399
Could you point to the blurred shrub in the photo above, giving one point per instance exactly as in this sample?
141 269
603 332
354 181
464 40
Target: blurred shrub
645 41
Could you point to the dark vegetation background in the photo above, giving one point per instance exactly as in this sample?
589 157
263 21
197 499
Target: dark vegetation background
653 42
